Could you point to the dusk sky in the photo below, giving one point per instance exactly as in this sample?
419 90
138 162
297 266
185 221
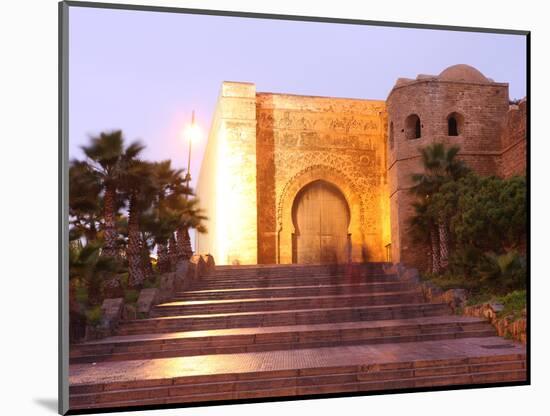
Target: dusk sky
144 72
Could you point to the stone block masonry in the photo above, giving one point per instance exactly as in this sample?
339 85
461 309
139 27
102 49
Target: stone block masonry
514 141
227 182
303 139
266 150
459 107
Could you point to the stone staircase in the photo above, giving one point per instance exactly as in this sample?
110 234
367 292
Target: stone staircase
247 332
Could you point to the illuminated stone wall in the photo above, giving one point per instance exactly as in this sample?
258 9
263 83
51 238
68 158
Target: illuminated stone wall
264 148
301 139
227 181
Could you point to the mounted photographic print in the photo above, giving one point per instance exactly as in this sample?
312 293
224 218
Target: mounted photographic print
263 207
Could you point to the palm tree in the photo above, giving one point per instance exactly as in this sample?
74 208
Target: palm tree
180 205
138 188
87 266
84 202
425 231
108 159
147 222
175 213
169 184
172 251
440 165
162 229
189 215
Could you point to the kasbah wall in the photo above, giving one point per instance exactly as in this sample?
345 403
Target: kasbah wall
264 148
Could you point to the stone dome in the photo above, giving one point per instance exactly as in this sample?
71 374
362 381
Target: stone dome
462 72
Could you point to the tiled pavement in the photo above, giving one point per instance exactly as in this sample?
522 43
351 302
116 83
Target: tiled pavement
359 355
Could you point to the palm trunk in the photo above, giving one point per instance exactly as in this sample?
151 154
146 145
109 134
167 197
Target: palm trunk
184 244
443 243
136 276
172 252
109 212
147 266
163 257
436 259
91 231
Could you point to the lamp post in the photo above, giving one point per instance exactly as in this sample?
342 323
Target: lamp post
184 242
191 132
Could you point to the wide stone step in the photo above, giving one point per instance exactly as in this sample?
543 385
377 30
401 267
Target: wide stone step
331 279
297 274
297 372
284 387
292 291
278 338
281 318
262 282
285 303
298 270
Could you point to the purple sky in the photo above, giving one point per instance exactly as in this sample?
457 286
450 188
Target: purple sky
144 72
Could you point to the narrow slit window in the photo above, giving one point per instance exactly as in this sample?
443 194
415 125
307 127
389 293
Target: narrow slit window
453 127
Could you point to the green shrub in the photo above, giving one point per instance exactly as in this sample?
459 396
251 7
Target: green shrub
81 295
514 303
464 261
479 298
123 278
152 284
502 273
131 296
484 275
94 316
488 213
449 280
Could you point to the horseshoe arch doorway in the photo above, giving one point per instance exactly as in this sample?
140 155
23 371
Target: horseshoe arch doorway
321 218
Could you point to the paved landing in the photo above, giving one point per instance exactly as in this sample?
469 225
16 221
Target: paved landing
167 368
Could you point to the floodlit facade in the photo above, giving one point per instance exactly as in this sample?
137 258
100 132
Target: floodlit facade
303 179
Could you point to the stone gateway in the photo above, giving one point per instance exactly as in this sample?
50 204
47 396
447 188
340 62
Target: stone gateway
302 179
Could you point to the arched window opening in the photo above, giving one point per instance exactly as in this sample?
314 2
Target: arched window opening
391 139
453 128
454 124
413 128
417 132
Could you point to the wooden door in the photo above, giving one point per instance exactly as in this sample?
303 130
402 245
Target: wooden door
321 219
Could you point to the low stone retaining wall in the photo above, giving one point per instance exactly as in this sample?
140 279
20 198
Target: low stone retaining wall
505 326
114 310
509 327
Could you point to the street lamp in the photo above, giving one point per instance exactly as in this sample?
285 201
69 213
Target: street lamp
191 133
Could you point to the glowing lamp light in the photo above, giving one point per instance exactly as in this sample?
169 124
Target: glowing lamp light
192 133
